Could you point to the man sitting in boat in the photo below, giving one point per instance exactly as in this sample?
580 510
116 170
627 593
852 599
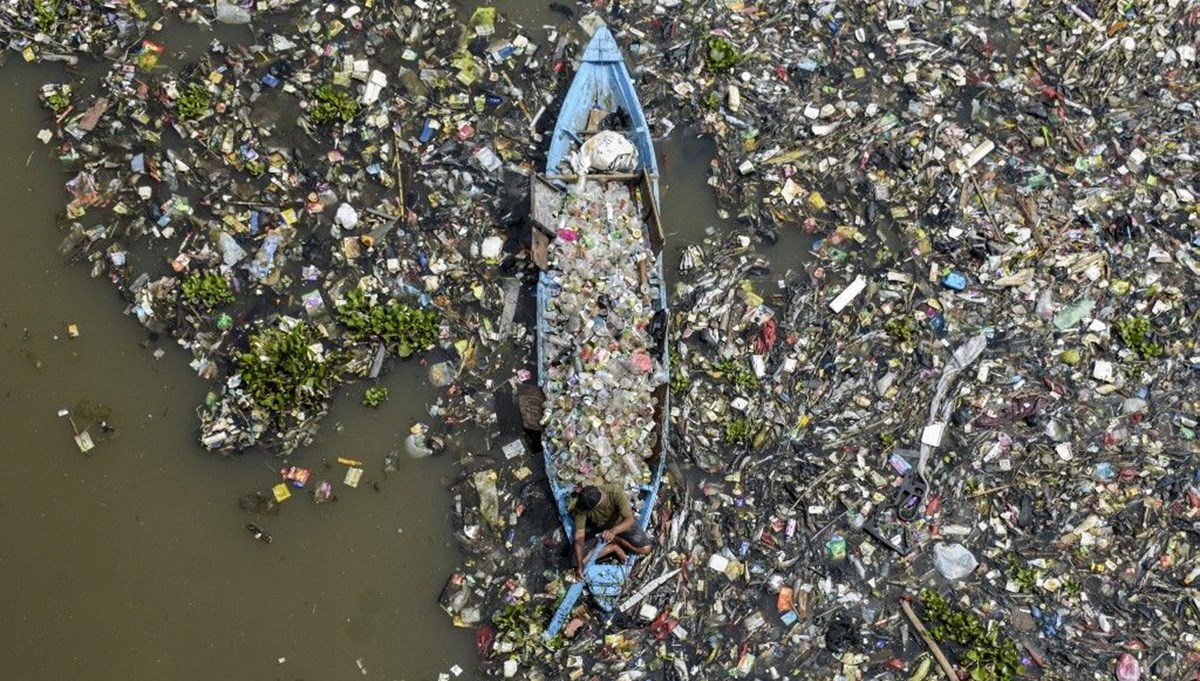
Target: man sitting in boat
605 511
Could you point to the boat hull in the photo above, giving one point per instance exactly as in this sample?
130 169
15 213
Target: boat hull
602 84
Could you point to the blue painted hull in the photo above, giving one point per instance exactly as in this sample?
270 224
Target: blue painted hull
603 82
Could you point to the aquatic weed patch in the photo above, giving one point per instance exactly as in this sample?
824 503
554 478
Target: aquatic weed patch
58 102
901 329
332 105
1135 333
720 54
374 396
45 14
738 432
986 653
207 289
403 329
521 624
193 102
283 373
738 375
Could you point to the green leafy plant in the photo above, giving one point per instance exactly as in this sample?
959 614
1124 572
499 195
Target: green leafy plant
283 374
522 623
902 329
738 431
680 381
332 105
986 653
1135 334
58 102
403 329
256 168
1025 576
374 396
740 376
720 54
193 102
45 15
208 289
1071 587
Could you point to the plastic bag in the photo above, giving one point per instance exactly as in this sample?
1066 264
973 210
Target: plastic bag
229 13
609 152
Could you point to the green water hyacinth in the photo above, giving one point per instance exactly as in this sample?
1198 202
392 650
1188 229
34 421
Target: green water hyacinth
332 105
193 102
985 652
1135 334
374 396
207 289
283 374
405 330
721 55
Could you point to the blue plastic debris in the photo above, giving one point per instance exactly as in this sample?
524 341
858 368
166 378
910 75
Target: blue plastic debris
1050 622
807 64
938 322
428 131
503 53
954 281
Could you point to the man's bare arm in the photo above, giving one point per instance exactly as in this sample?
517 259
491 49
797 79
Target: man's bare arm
625 524
579 537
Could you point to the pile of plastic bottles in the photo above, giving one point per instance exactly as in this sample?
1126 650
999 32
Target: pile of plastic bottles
600 364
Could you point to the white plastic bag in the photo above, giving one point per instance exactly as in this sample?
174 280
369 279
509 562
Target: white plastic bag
229 13
609 152
954 561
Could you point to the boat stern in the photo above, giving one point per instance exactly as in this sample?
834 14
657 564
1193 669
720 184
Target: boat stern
605 583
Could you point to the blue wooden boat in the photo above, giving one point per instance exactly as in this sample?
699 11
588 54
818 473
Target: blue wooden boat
601 87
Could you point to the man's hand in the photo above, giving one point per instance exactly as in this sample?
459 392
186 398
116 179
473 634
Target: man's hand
608 536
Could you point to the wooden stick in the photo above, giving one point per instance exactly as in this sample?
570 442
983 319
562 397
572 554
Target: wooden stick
987 209
947 668
599 177
1001 488
399 175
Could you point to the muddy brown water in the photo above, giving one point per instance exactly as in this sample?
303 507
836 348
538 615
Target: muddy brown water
132 562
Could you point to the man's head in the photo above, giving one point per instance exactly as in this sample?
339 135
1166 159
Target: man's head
587 498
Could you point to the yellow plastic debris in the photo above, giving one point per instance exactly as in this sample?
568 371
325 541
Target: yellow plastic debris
281 492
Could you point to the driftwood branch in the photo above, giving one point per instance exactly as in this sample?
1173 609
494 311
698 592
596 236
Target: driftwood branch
944 663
